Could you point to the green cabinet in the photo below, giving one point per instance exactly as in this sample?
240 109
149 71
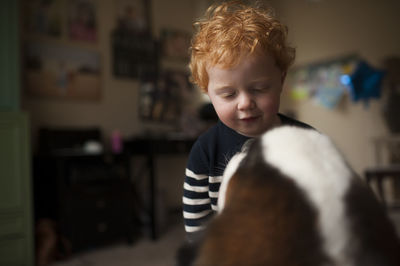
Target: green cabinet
16 219
16 239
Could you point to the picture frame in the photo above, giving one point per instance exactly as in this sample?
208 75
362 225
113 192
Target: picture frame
61 72
134 56
42 18
82 20
135 53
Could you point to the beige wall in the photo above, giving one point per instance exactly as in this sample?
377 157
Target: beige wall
319 29
117 108
327 28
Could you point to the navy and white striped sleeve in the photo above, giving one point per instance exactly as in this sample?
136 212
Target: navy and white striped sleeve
196 199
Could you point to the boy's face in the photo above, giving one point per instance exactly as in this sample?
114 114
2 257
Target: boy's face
246 97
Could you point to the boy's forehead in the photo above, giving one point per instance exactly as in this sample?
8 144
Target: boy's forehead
228 62
227 58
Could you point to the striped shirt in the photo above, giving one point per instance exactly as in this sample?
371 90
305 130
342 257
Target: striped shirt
206 164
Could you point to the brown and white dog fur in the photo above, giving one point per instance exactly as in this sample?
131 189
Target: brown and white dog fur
291 199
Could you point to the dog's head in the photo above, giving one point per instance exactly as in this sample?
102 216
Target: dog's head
306 156
290 198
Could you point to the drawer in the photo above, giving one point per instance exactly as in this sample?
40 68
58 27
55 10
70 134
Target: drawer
11 223
13 251
89 232
100 223
97 207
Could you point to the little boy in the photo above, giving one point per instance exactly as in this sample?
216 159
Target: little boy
239 57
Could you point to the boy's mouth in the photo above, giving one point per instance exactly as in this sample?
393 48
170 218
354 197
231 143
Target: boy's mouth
249 119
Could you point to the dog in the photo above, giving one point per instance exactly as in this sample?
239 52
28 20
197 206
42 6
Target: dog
291 198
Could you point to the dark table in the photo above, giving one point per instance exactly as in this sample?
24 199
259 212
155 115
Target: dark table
151 147
89 196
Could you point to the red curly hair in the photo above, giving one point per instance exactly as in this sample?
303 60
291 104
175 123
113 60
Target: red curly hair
232 30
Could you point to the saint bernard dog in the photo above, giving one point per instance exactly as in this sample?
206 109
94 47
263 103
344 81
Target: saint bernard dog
290 199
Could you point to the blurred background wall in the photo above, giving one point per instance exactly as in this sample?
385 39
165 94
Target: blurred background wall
324 29
319 29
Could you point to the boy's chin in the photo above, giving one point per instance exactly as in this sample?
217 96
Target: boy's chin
254 131
250 133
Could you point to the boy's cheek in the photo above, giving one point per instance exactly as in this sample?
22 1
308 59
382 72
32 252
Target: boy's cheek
223 110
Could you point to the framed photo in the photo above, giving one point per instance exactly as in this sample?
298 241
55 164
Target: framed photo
42 17
134 56
61 72
134 51
133 16
82 20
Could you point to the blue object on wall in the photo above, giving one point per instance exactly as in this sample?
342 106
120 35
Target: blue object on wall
366 82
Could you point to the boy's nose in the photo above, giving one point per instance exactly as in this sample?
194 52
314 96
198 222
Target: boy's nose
245 102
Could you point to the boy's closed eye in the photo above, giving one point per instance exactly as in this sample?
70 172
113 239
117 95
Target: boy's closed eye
260 88
228 95
226 92
231 93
